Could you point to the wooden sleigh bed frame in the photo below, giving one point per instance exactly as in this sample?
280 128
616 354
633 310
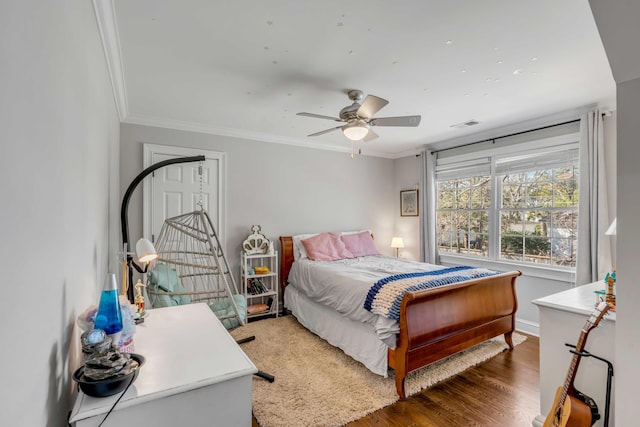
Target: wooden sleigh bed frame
439 322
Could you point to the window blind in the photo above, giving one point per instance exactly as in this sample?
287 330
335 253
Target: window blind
462 169
562 156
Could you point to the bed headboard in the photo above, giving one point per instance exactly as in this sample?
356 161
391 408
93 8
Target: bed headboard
286 259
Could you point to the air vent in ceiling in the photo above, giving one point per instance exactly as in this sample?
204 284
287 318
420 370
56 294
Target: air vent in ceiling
466 124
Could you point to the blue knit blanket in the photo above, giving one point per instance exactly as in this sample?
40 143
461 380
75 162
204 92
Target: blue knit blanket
385 296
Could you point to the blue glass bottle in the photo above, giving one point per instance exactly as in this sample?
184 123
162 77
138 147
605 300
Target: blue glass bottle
109 317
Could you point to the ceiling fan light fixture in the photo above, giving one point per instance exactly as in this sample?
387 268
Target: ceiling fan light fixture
356 130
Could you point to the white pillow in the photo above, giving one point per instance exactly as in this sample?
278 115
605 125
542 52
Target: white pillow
356 232
299 252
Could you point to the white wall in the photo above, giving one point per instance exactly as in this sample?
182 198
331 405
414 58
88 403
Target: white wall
628 285
617 22
285 189
407 172
58 186
610 155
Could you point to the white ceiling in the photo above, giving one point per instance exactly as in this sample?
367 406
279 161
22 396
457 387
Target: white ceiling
245 68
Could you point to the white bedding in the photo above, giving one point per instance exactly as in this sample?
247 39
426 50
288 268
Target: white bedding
356 339
343 286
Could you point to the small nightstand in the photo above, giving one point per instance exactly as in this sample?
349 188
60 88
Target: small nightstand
261 290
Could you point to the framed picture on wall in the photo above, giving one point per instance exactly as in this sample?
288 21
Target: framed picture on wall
409 203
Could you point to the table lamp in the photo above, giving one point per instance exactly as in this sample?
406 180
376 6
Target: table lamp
397 243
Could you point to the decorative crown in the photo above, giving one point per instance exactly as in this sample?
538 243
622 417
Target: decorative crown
256 243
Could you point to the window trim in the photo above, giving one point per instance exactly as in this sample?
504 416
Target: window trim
533 270
493 261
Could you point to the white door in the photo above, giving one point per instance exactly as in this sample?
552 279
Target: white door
178 188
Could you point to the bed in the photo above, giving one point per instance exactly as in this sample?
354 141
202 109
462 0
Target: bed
433 324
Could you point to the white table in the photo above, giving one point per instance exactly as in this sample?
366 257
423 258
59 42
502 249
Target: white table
562 317
194 375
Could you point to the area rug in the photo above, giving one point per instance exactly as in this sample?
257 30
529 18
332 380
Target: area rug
318 385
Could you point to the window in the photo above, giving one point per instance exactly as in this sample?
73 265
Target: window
517 207
463 215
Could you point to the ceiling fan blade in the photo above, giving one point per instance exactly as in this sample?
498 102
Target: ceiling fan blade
322 132
370 106
319 116
370 135
396 121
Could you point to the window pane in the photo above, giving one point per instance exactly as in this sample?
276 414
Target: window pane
540 194
480 222
566 193
564 173
537 249
460 236
462 229
540 175
478 234
444 231
511 222
480 246
513 195
516 178
563 252
511 247
564 223
563 230
463 190
481 192
445 195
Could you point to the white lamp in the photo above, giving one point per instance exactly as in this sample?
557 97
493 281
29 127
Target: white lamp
397 243
145 251
611 231
355 130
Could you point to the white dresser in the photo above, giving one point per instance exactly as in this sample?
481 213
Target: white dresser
194 375
562 317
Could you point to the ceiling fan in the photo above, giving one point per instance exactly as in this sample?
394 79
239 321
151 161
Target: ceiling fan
359 118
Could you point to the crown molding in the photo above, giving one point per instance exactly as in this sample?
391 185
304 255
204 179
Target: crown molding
108 29
243 134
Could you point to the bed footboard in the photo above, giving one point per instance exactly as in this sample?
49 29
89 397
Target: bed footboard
437 323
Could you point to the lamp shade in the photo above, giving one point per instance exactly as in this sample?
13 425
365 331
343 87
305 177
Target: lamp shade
145 251
397 242
611 231
355 131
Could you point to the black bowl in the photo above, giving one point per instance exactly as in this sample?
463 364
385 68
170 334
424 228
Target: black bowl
110 386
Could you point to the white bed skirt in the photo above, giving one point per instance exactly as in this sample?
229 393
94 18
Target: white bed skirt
356 339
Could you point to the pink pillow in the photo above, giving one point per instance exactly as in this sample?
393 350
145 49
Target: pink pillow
360 244
326 247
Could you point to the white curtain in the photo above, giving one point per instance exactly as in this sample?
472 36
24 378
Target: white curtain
428 225
594 247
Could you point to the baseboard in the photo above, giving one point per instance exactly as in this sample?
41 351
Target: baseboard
538 421
528 327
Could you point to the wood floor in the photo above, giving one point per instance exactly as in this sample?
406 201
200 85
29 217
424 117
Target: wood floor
501 392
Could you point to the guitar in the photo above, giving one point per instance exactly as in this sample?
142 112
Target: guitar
572 408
